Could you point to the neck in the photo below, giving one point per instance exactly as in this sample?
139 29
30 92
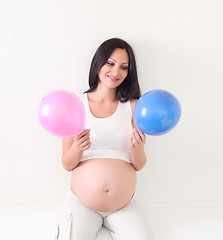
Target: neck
104 94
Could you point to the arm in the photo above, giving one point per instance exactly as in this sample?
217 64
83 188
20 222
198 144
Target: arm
73 148
137 142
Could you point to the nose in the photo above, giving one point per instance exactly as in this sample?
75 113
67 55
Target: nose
115 71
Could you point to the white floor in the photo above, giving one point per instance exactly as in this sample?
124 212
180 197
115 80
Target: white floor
167 223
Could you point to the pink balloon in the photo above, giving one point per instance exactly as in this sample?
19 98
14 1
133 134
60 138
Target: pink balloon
62 113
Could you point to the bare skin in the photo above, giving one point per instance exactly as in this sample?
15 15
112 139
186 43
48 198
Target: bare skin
105 184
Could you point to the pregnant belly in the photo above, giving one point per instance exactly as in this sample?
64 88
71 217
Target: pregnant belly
104 185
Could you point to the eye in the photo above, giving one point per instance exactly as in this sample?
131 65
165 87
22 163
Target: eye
110 63
124 67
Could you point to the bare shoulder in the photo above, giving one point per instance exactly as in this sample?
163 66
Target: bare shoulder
133 103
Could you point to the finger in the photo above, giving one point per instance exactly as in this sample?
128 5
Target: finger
83 133
134 141
84 138
142 135
131 142
87 146
137 136
85 143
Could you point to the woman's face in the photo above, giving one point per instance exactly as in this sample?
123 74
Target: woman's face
115 70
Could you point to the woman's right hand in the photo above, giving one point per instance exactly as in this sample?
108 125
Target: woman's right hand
73 148
82 141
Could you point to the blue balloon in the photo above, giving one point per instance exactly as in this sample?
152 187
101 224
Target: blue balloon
157 112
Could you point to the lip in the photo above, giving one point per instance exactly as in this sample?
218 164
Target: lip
113 78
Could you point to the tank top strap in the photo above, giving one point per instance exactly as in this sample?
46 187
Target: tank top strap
126 108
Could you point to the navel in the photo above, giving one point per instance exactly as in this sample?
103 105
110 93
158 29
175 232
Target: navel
107 189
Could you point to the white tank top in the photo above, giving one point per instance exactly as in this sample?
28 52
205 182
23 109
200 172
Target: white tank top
110 136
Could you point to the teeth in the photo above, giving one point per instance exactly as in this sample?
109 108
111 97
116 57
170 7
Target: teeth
114 79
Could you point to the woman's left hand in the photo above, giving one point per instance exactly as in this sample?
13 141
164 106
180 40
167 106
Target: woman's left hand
138 139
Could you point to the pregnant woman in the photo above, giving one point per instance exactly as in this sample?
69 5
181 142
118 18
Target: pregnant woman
104 158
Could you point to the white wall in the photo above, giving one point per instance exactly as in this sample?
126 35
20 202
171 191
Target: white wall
47 45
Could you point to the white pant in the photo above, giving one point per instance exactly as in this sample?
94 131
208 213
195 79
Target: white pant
78 222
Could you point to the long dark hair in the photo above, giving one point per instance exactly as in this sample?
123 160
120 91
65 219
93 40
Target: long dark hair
129 89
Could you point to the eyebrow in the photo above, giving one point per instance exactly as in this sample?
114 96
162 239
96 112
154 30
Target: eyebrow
116 61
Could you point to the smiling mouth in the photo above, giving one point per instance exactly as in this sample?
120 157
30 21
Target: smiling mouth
113 78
